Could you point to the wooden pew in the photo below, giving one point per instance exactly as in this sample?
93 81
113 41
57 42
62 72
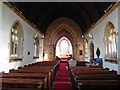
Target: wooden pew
46 63
35 71
51 65
92 76
42 68
44 77
21 83
20 88
98 84
96 77
80 70
78 74
86 68
54 65
42 71
39 70
83 68
36 68
26 72
93 72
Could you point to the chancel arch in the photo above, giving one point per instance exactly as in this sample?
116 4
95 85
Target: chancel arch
63 27
63 32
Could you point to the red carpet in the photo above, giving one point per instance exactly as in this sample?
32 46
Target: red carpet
62 81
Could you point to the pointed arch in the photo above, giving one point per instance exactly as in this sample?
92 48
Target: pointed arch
63 26
36 46
86 48
16 41
91 51
110 44
63 47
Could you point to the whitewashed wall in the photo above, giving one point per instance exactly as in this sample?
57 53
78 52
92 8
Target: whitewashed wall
8 18
98 37
0 28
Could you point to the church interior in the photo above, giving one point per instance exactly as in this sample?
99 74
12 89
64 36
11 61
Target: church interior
59 45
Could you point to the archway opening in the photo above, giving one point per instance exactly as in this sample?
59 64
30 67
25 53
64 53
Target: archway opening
91 52
63 47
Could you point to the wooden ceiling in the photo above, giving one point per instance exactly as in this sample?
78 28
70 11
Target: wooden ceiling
43 13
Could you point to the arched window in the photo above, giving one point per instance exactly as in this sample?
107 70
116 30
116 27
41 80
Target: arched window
36 46
110 42
86 48
16 42
64 46
91 51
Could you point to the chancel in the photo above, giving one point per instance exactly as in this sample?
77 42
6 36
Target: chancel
59 45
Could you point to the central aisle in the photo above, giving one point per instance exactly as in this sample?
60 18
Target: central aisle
62 81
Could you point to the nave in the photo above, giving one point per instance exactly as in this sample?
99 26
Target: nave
34 34
54 75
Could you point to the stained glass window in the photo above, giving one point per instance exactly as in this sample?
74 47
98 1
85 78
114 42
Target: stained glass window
36 46
16 43
110 42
